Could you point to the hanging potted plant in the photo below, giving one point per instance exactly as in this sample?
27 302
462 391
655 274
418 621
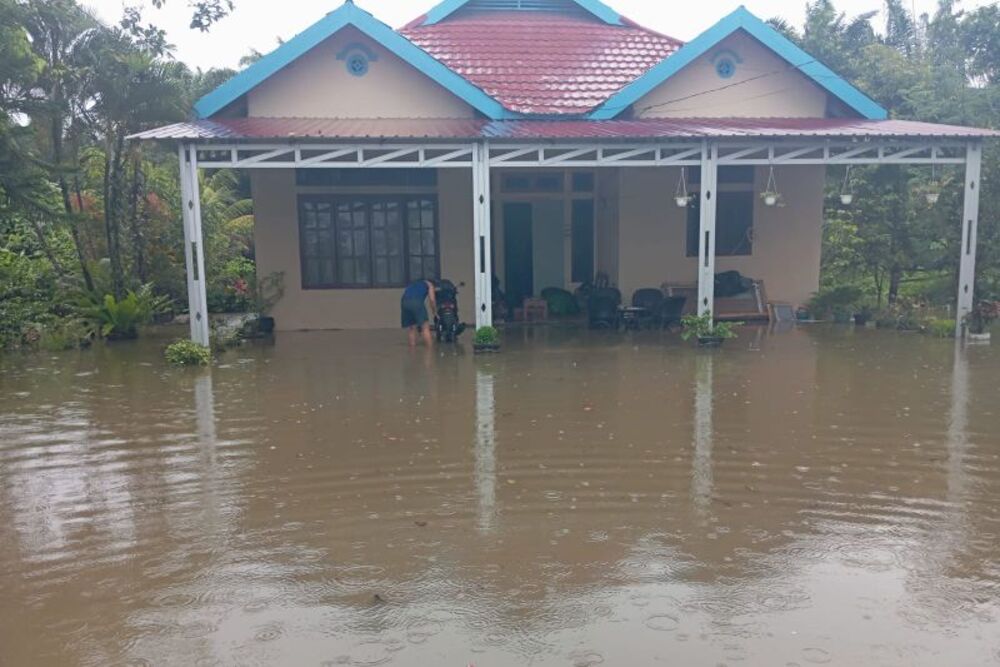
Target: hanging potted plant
846 192
681 196
487 339
933 190
770 196
708 332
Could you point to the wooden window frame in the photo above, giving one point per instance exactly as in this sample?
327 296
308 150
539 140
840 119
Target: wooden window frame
335 199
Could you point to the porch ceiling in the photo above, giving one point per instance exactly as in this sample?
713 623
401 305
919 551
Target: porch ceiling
455 129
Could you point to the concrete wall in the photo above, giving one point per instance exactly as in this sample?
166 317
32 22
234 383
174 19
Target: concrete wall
318 85
787 241
277 240
775 91
641 237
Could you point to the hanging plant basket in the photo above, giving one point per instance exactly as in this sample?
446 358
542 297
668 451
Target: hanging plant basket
681 196
770 196
846 195
933 192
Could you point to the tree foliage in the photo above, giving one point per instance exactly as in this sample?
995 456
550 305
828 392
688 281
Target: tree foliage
941 68
81 206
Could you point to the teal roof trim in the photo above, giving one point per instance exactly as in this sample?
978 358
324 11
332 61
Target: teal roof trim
349 15
446 8
741 19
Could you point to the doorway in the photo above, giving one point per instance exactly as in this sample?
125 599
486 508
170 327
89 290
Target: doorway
518 253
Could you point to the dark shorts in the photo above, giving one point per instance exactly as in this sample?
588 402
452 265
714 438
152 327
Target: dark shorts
413 313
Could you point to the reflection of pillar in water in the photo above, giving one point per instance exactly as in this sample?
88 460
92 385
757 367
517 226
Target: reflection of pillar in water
204 405
958 424
701 473
486 453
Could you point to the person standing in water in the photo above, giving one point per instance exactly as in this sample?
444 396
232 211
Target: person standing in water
413 310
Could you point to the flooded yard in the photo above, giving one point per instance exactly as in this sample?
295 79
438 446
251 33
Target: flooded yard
815 496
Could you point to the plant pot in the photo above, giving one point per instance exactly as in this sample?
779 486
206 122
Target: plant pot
846 199
932 197
682 202
770 200
485 348
861 320
265 325
710 341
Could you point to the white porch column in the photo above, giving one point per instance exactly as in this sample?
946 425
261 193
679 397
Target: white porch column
194 253
706 234
970 224
482 230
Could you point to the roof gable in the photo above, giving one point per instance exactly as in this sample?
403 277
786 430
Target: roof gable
597 8
348 15
741 19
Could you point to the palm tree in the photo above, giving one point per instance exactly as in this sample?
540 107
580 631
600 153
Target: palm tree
132 89
61 34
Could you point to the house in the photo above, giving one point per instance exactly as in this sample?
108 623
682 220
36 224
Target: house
540 142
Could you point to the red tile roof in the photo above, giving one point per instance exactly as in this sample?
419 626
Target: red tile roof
543 62
460 129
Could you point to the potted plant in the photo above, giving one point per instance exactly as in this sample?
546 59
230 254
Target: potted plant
708 332
979 320
266 292
487 339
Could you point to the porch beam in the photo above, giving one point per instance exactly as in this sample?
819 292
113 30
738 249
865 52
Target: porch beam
970 224
194 251
746 152
482 234
706 227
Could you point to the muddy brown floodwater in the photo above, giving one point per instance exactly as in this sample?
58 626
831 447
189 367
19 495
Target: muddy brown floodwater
816 496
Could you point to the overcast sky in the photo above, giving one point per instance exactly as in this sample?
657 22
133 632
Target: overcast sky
257 24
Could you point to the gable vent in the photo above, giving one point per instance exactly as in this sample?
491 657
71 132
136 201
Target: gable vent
561 6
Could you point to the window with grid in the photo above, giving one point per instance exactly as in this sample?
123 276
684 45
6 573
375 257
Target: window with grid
421 237
370 241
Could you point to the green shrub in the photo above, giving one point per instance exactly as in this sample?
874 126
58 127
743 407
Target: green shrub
702 326
902 316
67 334
941 328
27 294
839 300
487 336
231 289
120 319
187 353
